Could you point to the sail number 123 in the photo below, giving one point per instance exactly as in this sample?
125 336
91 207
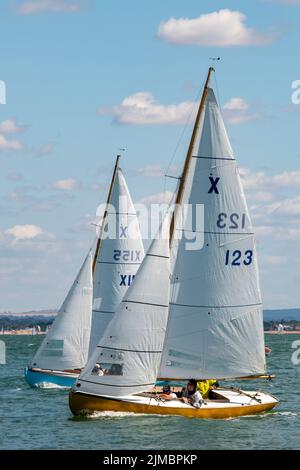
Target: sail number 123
236 258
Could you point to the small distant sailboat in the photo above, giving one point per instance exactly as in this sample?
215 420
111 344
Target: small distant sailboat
98 289
211 324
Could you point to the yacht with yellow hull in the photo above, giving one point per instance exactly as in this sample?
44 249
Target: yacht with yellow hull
197 318
227 404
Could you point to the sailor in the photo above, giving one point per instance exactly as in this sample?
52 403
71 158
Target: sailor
192 395
206 386
97 370
167 394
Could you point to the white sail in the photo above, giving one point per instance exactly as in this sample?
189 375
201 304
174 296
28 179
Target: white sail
129 353
215 326
66 343
118 259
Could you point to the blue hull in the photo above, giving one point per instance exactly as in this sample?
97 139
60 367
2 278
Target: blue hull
37 379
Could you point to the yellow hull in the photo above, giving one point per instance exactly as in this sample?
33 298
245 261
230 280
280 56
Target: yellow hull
81 403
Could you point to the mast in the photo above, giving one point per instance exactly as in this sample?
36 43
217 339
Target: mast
105 212
189 154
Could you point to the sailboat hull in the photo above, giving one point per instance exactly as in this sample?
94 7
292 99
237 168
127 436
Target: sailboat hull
230 405
46 378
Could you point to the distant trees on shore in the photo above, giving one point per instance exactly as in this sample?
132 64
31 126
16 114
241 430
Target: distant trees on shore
19 323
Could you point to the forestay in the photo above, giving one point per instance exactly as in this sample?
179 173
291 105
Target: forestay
66 343
127 357
215 326
119 257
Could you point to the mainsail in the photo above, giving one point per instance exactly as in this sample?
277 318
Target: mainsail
118 255
127 357
65 346
215 326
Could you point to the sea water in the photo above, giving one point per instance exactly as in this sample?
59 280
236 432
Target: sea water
41 419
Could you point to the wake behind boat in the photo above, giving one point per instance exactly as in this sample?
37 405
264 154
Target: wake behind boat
209 324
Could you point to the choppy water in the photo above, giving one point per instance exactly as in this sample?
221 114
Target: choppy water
40 419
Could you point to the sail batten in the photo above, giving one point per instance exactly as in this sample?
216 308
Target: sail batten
215 306
214 158
128 350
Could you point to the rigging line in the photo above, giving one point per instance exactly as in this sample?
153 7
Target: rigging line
183 132
218 95
186 124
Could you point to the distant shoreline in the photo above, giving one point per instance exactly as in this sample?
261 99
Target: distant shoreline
282 332
21 333
29 333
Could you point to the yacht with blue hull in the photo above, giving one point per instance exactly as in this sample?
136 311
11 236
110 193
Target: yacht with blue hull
63 352
43 378
98 289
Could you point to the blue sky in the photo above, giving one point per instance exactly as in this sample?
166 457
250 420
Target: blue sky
85 78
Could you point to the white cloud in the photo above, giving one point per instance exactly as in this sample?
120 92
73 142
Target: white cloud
273 260
142 108
237 111
286 207
10 126
287 179
150 210
286 2
152 171
9 145
45 149
260 196
157 198
253 180
276 232
220 28
157 171
275 216
15 176
66 185
264 230
22 232
54 6
236 104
